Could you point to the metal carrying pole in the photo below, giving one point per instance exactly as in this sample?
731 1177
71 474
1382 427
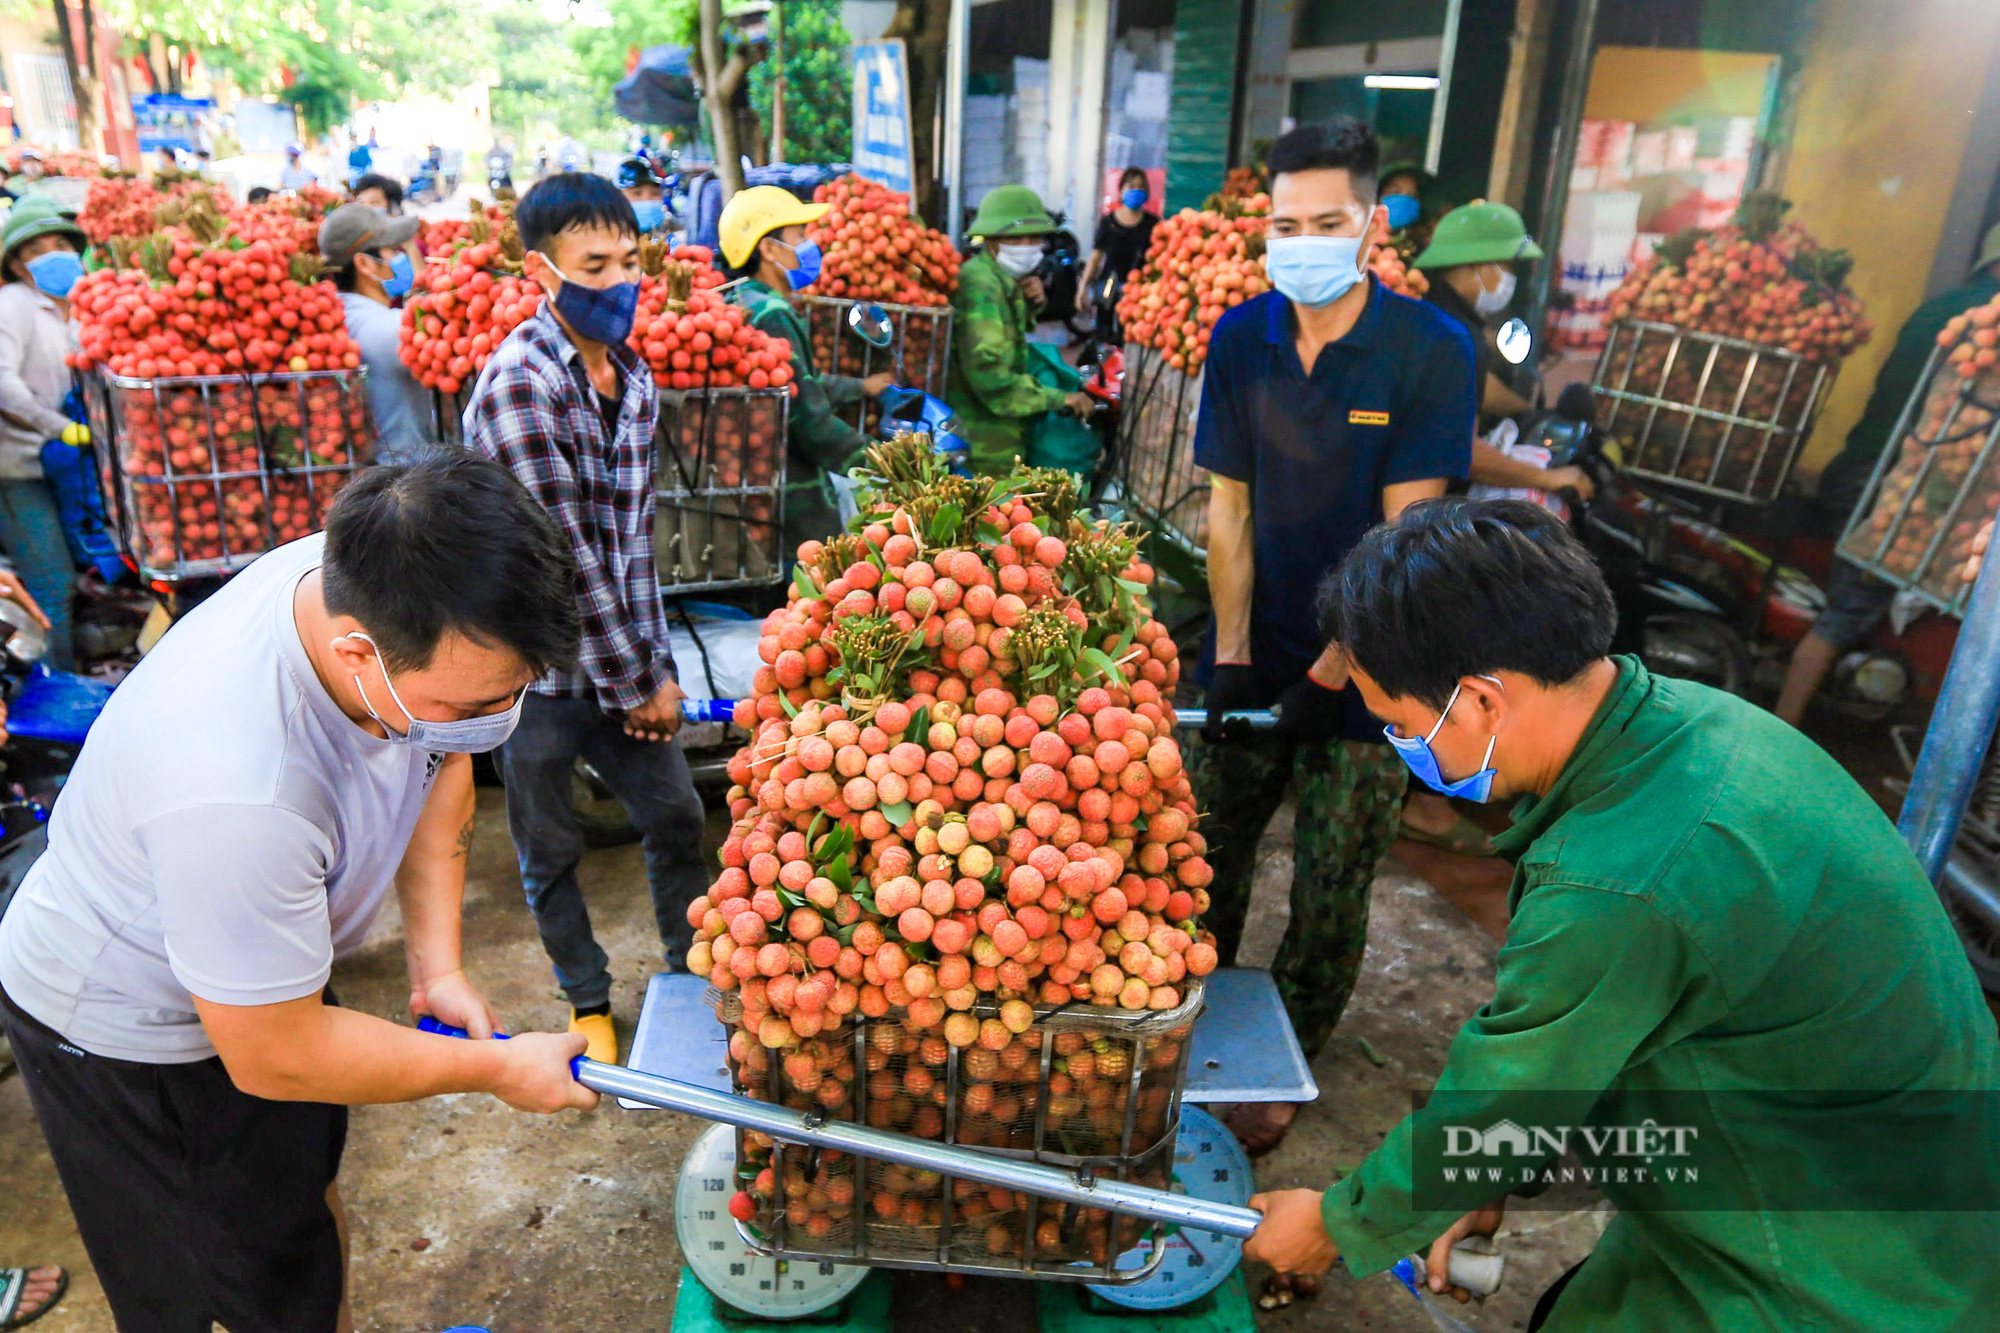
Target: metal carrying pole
1960 732
814 1130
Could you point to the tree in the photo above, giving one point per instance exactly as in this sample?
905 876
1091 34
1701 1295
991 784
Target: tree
82 73
819 85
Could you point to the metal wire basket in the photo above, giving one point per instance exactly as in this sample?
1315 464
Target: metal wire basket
719 479
1091 1089
1931 492
1155 470
918 354
1707 413
208 472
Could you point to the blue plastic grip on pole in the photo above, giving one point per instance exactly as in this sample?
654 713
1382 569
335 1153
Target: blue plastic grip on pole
707 710
1960 731
436 1028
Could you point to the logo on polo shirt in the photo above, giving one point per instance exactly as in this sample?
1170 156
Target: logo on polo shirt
1358 417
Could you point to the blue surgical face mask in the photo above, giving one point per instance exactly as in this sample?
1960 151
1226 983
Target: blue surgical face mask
56 273
1313 270
1422 760
401 274
1135 199
471 735
1403 209
601 314
650 212
807 273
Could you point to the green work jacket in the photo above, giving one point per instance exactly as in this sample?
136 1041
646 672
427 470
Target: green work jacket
1714 926
819 441
988 385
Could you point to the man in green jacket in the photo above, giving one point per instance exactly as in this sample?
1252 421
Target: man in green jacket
993 311
1726 985
764 243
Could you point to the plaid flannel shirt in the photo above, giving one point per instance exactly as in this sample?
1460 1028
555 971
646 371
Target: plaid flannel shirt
534 411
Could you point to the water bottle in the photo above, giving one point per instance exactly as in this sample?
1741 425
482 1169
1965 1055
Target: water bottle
707 710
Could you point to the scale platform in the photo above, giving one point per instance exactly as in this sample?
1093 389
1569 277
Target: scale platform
1244 1049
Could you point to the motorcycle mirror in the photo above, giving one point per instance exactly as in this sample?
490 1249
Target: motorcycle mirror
26 640
871 323
1514 341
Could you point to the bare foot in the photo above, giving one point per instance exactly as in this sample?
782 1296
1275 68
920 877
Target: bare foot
1260 1126
44 1286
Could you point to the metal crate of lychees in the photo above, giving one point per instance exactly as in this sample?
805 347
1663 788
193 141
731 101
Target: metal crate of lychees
1091 1089
719 481
918 354
1930 495
1707 413
1155 470
204 473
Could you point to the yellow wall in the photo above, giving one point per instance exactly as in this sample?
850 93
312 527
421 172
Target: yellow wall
1646 83
1886 102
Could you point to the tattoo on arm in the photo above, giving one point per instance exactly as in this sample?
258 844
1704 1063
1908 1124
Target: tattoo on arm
464 841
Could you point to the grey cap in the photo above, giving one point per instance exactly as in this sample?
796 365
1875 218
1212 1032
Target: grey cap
353 228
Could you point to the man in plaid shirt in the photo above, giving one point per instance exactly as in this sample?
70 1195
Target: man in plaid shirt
567 406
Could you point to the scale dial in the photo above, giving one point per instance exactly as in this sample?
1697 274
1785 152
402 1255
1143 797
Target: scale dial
751 1282
1208 1164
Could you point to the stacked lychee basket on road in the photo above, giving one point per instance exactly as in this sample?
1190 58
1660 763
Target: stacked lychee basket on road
724 391
960 894
224 395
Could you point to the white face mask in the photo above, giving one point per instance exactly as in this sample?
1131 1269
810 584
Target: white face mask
1493 302
1019 260
471 735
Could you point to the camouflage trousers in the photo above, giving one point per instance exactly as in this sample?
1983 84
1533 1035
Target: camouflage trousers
1349 796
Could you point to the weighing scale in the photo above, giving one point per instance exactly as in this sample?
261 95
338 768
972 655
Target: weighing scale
1242 1050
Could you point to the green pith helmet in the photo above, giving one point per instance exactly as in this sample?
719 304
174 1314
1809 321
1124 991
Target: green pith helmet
1012 210
1485 233
37 215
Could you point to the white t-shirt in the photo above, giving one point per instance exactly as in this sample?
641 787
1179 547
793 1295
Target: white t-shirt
227 832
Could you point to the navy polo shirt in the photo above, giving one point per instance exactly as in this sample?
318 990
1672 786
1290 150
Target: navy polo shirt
1392 401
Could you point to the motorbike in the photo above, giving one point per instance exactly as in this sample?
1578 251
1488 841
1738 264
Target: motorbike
1677 622
48 715
499 172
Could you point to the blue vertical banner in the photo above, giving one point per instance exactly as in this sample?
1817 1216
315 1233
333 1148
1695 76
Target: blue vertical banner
883 151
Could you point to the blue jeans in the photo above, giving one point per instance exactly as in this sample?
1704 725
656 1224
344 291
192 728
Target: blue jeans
32 533
651 780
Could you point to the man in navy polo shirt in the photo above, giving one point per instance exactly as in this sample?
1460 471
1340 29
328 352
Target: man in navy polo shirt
1328 405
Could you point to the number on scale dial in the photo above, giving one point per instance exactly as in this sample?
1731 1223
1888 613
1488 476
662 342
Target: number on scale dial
735 1273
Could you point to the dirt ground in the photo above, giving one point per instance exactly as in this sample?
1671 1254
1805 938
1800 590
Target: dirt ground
466 1212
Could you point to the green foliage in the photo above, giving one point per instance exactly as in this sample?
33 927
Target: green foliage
819 85
601 50
542 90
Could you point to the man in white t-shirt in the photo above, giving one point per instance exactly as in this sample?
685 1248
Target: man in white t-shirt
296 746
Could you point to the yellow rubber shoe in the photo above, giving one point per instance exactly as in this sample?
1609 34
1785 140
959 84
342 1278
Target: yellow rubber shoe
597 1030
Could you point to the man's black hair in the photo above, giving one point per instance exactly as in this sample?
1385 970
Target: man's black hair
258 194
391 188
453 543
1341 142
1458 587
571 199
1129 173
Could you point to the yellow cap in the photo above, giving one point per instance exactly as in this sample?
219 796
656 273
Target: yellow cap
754 213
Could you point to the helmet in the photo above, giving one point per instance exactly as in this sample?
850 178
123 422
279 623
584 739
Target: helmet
752 214
1012 210
635 171
1482 233
37 215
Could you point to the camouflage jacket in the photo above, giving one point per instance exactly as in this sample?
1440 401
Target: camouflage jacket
989 387
819 441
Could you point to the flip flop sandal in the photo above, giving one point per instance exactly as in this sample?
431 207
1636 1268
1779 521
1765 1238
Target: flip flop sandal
1463 838
14 1290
